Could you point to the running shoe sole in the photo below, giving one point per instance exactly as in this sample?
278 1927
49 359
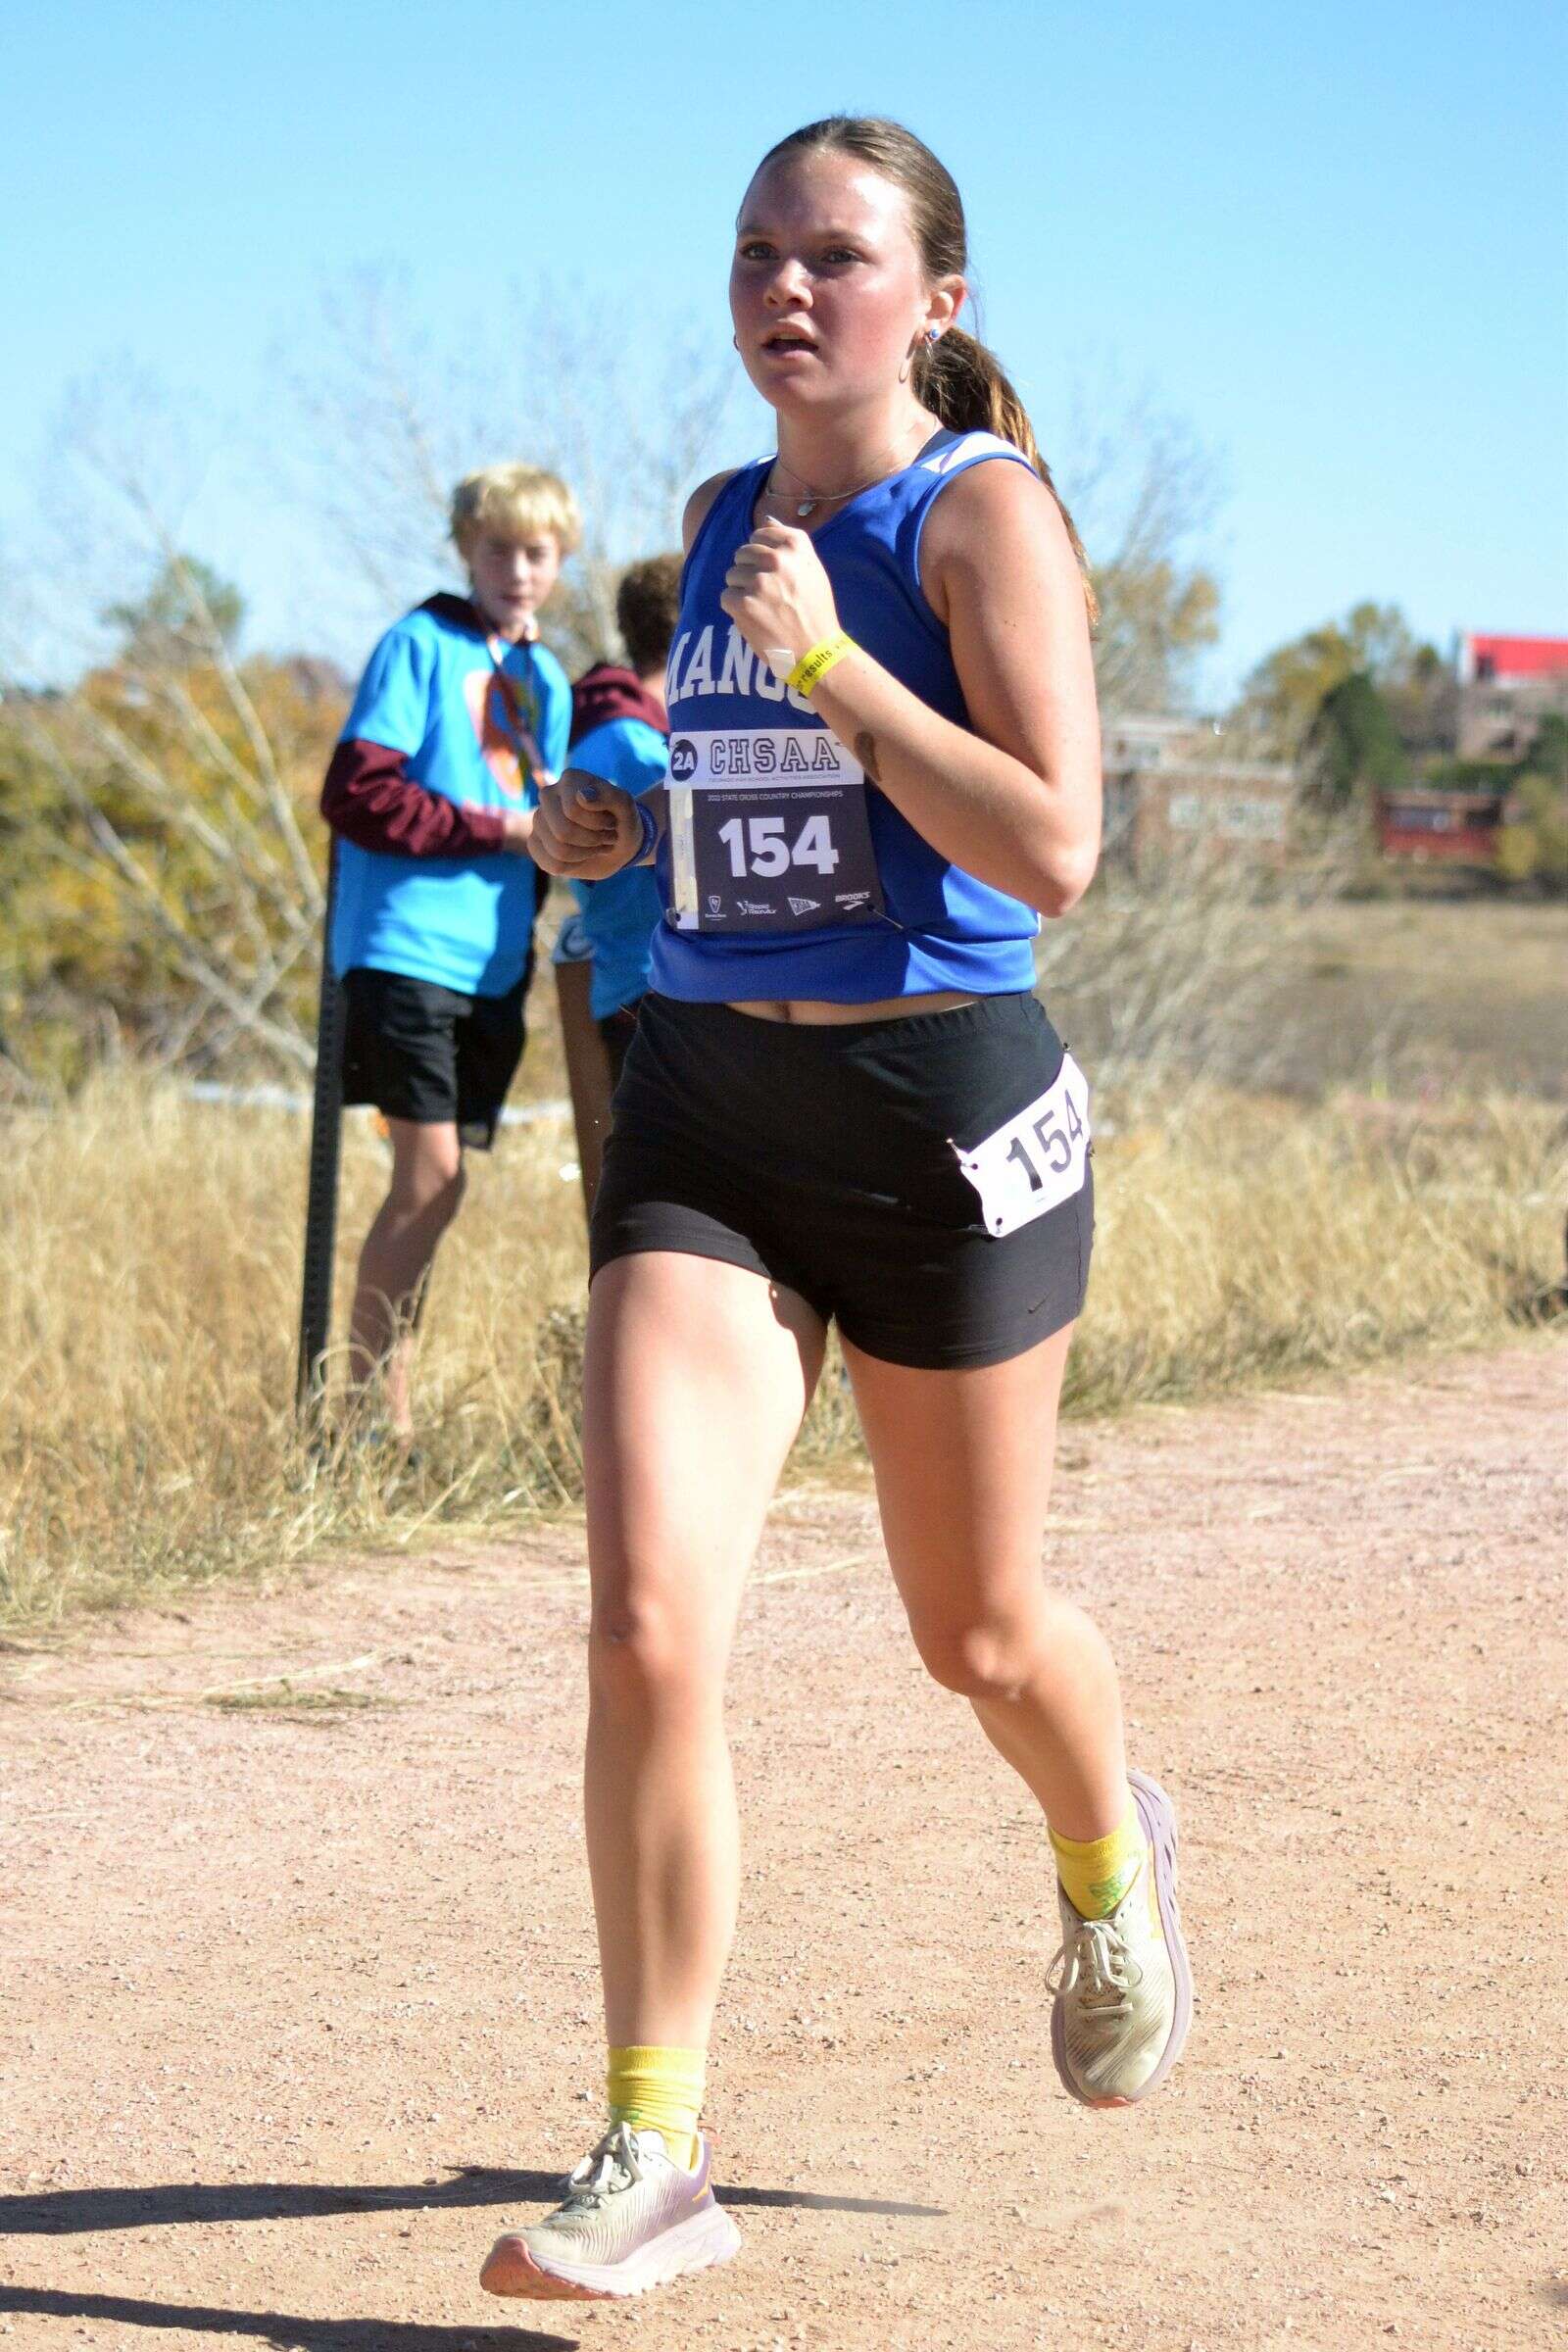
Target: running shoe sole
1158 1818
696 2245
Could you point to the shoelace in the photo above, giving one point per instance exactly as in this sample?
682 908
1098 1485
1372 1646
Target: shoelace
1097 1966
613 2164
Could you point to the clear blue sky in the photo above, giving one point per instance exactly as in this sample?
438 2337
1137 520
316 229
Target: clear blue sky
1331 237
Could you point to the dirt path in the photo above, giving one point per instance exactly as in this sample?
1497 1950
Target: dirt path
299 1998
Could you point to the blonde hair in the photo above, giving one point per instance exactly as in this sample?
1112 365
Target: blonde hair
957 377
515 502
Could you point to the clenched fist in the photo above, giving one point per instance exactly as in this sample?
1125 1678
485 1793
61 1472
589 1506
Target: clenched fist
778 595
585 828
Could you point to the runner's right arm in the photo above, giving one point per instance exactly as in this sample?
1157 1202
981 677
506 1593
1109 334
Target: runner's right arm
585 828
698 505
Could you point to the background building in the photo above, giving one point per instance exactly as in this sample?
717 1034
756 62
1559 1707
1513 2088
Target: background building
1436 827
1169 784
1507 685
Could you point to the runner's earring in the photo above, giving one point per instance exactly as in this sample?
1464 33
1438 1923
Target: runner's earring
932 334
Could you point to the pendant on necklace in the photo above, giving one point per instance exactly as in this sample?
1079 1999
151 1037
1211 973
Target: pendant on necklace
805 508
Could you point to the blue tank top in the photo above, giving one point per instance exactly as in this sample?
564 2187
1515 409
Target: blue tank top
785 872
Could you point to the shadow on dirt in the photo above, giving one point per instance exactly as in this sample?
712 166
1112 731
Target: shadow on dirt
73 2212
282 2328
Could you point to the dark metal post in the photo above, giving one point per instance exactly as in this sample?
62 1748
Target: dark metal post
320 1209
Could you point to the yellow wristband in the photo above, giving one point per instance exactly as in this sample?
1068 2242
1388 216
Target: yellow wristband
816 664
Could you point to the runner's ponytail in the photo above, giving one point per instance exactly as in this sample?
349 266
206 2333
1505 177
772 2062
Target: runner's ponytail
962 380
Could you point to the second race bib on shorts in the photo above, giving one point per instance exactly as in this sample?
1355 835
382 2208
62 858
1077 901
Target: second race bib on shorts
1035 1160
769 831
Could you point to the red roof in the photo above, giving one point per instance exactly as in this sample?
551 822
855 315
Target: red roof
1519 657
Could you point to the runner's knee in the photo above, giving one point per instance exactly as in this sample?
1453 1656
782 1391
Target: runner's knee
646 1654
991 1655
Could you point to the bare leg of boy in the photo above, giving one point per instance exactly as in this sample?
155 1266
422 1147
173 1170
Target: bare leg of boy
426 1187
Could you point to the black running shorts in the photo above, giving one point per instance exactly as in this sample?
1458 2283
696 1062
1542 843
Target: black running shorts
823 1159
431 1054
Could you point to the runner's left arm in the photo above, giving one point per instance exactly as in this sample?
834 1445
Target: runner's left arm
1014 798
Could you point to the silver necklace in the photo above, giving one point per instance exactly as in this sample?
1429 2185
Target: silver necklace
804 505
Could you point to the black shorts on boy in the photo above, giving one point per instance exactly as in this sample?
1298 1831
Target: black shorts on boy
431 1054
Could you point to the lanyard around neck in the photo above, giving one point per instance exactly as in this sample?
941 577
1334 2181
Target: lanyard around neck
507 698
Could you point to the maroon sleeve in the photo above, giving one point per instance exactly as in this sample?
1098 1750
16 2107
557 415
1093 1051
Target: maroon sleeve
372 801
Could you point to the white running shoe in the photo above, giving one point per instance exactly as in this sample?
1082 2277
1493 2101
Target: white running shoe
631 2219
1122 1984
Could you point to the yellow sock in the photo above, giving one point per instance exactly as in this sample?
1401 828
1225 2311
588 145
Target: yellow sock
1097 1872
659 2090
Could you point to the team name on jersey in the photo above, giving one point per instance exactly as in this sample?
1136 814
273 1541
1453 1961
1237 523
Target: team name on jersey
690 669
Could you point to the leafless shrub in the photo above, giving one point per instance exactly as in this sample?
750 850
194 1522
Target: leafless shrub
177 777
628 416
1145 490
1159 976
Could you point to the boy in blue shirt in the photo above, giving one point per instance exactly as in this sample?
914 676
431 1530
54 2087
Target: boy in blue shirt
461 714
620 731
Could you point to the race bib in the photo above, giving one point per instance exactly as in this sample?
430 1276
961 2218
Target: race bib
768 832
1037 1160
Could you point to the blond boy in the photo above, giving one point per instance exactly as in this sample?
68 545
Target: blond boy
431 791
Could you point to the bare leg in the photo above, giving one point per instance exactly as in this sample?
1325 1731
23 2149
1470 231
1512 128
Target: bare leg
695 1377
426 1187
964 1462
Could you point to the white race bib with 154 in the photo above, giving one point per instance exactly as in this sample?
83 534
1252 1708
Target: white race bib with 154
1037 1159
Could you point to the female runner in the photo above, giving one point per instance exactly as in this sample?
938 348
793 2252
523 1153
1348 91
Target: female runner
843 1102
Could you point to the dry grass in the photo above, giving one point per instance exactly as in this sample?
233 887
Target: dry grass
1421 996
1299 983
148 1296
